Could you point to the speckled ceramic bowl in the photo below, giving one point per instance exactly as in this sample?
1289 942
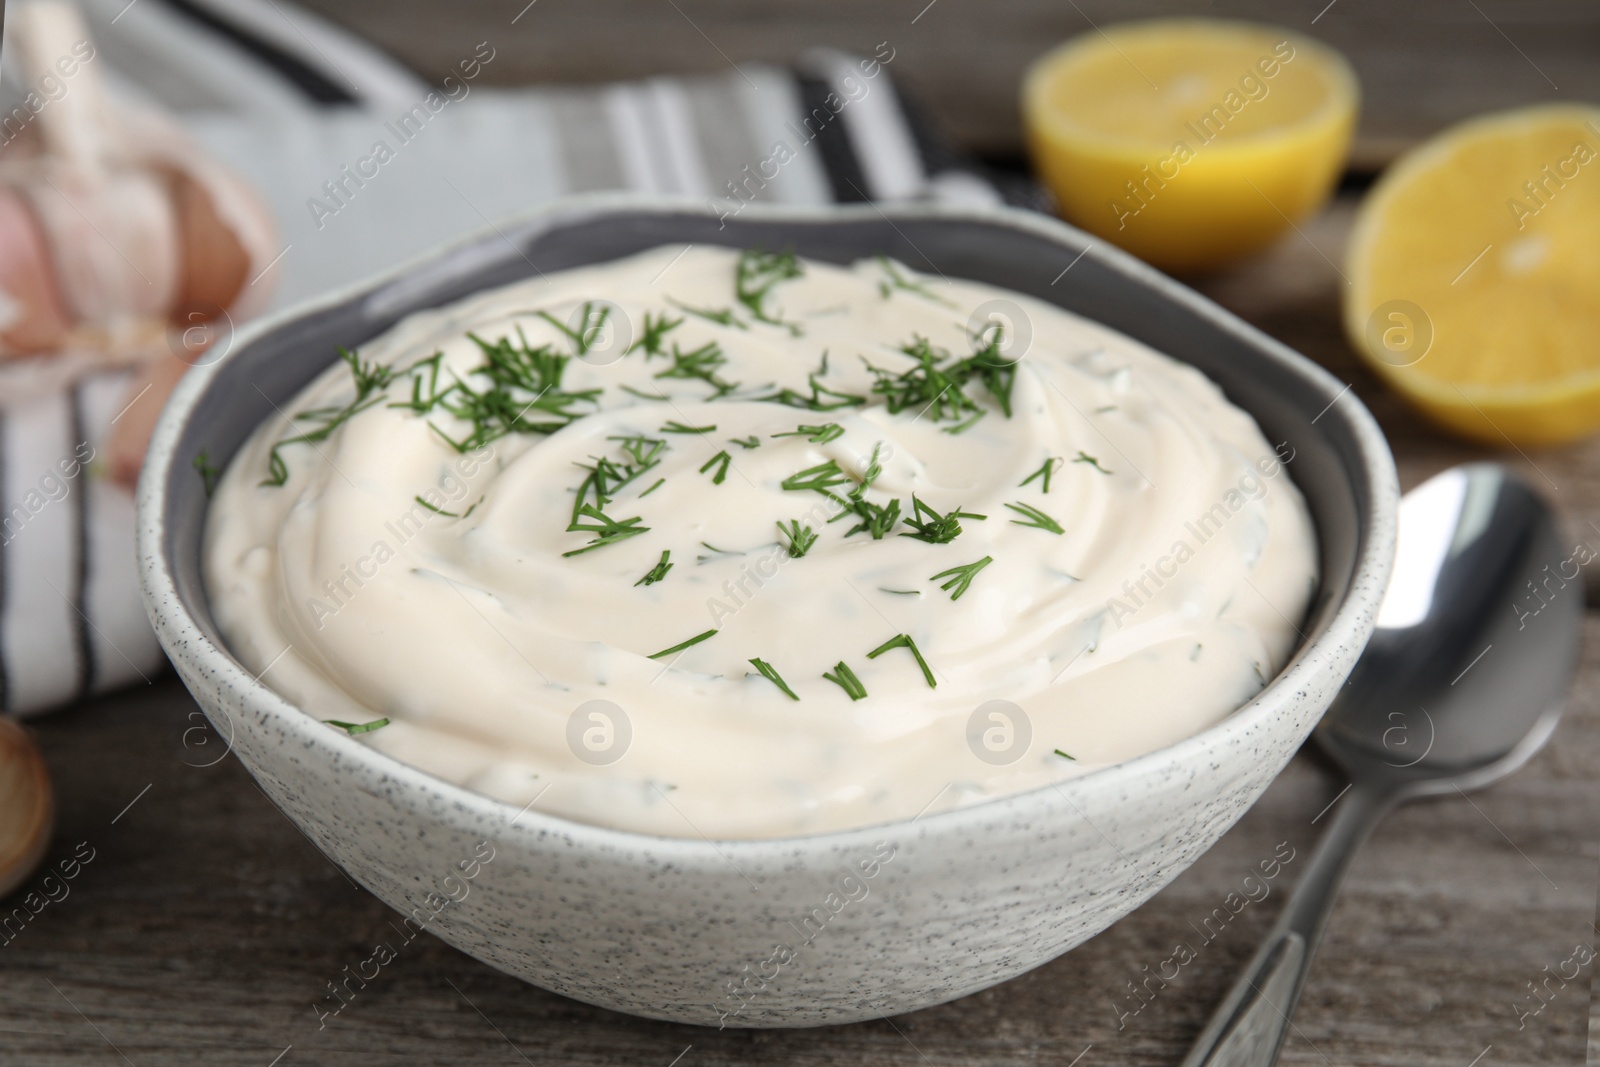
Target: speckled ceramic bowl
801 931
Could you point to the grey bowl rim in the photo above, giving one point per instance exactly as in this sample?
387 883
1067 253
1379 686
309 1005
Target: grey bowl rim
1352 621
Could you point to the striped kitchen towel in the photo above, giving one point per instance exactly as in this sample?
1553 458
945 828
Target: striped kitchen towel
366 165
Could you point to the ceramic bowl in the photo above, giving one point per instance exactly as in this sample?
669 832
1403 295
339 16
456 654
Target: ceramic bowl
802 931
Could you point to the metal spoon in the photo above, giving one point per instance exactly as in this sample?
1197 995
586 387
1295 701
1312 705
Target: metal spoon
1476 644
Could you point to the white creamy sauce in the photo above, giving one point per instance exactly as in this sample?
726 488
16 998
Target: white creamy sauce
1185 557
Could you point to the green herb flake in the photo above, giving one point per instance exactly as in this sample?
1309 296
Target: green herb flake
756 275
904 641
817 435
680 646
208 473
659 571
1043 474
936 529
845 678
894 280
746 442
354 728
800 537
1084 457
961 577
1033 517
607 531
722 471
770 673
674 426
437 510
1064 755
656 327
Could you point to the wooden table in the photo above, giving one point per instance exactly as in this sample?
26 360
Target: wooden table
206 925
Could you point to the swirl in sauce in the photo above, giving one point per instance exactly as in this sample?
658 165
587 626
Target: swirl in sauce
1148 556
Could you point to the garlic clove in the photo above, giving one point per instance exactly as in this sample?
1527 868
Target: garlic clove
27 806
33 317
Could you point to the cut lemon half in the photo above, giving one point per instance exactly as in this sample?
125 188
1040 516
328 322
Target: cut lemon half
1474 272
1189 142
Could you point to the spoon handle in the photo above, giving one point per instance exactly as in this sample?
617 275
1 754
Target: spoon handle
1249 1025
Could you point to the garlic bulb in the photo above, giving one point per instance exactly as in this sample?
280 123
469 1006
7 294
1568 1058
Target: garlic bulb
27 806
117 231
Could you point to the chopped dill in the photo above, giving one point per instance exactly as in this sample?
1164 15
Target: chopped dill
904 641
659 571
370 380
208 473
1043 474
800 536
746 442
1064 755
354 728
817 435
1035 518
756 275
936 529
439 511
658 484
961 577
656 327
592 322
680 646
701 363
607 531
722 471
894 280
674 426
899 592
1084 457
845 678
720 316
770 673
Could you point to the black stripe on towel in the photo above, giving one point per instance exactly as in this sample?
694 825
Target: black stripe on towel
80 572
320 88
820 124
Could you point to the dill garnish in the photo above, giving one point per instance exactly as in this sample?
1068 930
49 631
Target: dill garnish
1084 457
896 280
369 378
821 478
936 529
1064 755
961 577
722 471
800 536
845 678
588 329
746 442
439 511
757 274
722 551
1043 473
607 531
904 641
821 397
1035 518
770 673
876 519
674 426
659 571
353 728
720 316
658 484
208 473
522 379
817 435
655 328
679 647
608 476
700 363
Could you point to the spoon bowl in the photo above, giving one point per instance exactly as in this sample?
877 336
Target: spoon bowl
1476 644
